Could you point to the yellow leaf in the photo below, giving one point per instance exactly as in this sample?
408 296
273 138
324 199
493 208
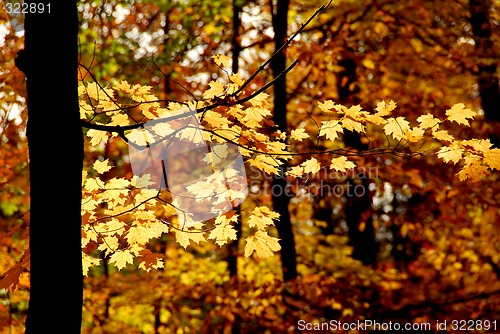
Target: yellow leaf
295 171
123 86
330 129
119 119
376 119
341 164
87 262
184 237
139 235
222 60
237 79
492 158
263 244
261 217
259 100
101 166
216 120
473 172
452 153
443 135
414 135
427 121
385 108
216 89
311 166
458 113
265 163
397 127
109 244
352 125
326 106
97 136
223 230
121 257
254 115
299 134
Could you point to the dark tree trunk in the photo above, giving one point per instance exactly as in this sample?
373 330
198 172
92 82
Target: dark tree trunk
358 197
55 141
280 197
487 54
233 246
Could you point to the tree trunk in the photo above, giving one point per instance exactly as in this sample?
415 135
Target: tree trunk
358 197
280 197
233 246
55 142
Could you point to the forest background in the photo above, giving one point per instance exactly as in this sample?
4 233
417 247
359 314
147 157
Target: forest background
390 219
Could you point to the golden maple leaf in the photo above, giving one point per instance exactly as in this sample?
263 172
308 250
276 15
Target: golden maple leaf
458 113
330 129
341 164
263 244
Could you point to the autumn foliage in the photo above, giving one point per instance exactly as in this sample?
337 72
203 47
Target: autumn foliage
390 161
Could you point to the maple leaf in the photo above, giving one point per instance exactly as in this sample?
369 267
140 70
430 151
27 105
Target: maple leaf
87 262
311 165
139 235
385 108
458 113
222 60
143 181
492 158
452 153
326 106
121 258
216 120
237 79
397 127
265 163
109 244
295 171
427 121
202 190
253 116
341 164
263 244
259 100
97 136
330 129
356 113
123 86
223 229
261 217
119 119
216 89
473 172
443 135
141 137
299 134
102 166
415 134
184 237
352 125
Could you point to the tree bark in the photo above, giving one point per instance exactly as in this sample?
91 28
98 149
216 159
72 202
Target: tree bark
55 143
233 246
280 197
